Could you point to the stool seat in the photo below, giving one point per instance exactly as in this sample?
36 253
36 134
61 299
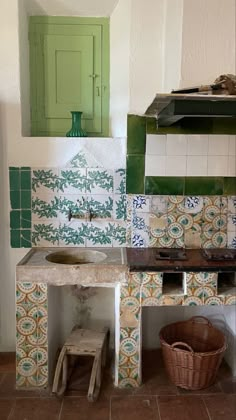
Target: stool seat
83 342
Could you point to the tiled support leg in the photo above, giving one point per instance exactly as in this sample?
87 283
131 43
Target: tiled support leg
31 335
129 364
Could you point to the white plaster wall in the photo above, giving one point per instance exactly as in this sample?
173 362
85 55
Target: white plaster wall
146 53
208 48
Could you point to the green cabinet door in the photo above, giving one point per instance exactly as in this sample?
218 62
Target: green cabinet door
69 72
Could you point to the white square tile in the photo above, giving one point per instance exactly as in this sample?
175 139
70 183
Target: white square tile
176 145
232 166
196 165
176 165
155 165
155 144
217 165
197 145
232 146
218 145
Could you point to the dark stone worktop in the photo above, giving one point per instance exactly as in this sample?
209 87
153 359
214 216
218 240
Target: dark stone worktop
144 259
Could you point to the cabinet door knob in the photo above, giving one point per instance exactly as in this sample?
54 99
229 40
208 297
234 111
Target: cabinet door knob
93 76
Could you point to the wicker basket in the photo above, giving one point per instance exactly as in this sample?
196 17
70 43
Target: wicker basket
192 351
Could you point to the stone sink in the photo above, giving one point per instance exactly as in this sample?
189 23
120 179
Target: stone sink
84 266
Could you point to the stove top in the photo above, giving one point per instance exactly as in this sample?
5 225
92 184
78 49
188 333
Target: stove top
171 254
219 254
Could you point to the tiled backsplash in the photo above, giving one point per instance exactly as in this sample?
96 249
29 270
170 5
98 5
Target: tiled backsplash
178 164
41 199
181 221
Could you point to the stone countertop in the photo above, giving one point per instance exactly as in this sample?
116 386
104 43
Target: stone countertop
144 259
109 269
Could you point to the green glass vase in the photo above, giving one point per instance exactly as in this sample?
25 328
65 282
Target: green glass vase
76 129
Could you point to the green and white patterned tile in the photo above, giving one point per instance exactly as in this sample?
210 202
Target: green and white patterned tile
45 180
119 234
26 366
120 181
83 159
45 206
73 233
100 205
99 181
74 203
72 181
151 295
120 207
45 234
129 378
99 233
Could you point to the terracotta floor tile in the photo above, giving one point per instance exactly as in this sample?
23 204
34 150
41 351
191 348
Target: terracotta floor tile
36 409
221 407
7 362
78 408
134 408
229 386
182 408
213 389
5 408
8 388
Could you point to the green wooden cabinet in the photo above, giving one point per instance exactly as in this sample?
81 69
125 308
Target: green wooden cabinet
69 71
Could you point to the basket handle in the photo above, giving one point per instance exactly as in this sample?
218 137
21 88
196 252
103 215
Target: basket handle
202 319
181 343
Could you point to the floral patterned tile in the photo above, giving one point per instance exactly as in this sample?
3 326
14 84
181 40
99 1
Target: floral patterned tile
231 240
151 295
158 204
45 180
141 203
99 181
72 181
201 279
214 239
231 224
193 205
139 239
230 300
26 366
45 206
119 234
84 159
120 181
101 206
152 279
232 204
73 233
135 279
214 300
158 227
74 203
129 378
128 234
45 234
175 205
120 207
129 208
99 233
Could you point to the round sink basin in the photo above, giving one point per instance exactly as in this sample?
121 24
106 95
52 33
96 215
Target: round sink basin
74 257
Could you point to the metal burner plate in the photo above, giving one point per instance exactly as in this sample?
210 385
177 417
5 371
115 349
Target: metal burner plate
219 254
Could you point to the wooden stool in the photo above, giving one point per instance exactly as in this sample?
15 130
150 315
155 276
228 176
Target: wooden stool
83 343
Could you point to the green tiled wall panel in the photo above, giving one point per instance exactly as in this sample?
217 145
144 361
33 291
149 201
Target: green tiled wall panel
135 174
136 127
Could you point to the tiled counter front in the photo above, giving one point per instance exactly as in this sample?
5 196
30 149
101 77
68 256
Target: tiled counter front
146 289
31 335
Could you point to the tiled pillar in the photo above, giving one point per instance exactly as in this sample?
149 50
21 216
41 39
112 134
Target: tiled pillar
31 335
129 368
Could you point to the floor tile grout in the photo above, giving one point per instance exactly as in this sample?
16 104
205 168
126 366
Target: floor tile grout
59 415
158 408
204 402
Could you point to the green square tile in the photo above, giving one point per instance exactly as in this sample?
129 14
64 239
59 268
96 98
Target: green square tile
230 186
15 219
25 240
15 200
204 186
25 168
14 176
135 174
158 185
25 180
15 238
136 135
26 199
26 219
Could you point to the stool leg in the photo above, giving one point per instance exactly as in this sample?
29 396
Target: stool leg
105 347
95 380
58 370
61 391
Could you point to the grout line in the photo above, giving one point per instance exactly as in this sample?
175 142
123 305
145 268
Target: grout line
59 415
12 410
204 403
110 409
158 407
